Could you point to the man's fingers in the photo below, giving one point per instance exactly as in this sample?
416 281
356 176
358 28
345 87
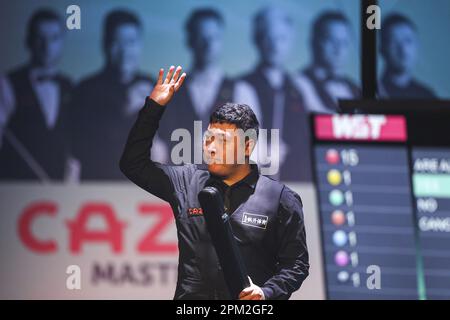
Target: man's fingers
160 76
180 81
247 297
177 74
169 74
251 296
246 291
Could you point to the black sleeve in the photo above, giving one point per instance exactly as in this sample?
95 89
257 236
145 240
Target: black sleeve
164 181
292 254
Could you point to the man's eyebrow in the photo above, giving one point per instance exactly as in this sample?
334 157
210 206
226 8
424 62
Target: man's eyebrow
216 131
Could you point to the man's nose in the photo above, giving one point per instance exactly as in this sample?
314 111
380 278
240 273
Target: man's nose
210 147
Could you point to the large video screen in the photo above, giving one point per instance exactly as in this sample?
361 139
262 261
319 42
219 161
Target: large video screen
69 120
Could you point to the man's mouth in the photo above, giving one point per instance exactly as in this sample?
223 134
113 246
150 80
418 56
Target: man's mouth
213 160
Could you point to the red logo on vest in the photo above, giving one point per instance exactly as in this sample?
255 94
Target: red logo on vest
194 212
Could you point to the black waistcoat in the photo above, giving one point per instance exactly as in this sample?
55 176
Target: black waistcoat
27 124
199 272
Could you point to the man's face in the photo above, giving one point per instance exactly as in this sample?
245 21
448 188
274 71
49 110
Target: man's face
334 44
274 41
125 49
206 42
400 51
225 148
47 44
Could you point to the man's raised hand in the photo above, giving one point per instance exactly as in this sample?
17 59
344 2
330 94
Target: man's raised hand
164 89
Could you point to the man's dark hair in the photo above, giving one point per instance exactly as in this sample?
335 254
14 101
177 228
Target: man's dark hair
114 20
199 15
38 17
320 23
391 21
241 115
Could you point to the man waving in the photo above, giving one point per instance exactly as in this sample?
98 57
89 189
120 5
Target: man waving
266 216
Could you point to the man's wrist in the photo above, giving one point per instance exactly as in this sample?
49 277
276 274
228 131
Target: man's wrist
153 102
152 108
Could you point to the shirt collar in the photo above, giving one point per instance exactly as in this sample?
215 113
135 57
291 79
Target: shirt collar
42 74
252 177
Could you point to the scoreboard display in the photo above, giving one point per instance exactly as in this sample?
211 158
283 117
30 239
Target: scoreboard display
384 206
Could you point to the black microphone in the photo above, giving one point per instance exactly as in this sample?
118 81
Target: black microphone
219 228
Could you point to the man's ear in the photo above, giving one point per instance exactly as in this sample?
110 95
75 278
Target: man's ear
249 146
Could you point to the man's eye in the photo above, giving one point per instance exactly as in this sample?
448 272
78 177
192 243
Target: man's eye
208 139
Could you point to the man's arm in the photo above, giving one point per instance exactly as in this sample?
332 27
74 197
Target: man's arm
160 180
292 257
